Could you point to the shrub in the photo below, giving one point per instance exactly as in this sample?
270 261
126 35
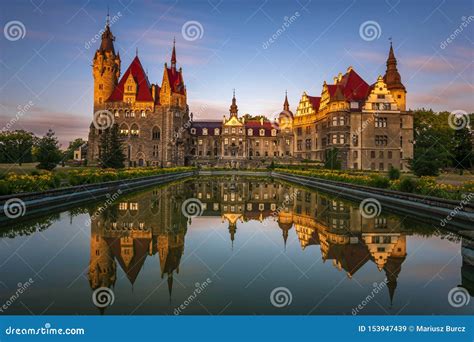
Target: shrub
393 173
380 182
408 185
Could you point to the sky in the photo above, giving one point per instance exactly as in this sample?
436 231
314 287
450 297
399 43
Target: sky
261 48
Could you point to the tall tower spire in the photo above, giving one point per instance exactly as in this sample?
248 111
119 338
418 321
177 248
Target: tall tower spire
233 107
286 105
173 55
107 43
394 81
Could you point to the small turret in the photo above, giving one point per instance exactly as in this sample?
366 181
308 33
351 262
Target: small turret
233 107
393 80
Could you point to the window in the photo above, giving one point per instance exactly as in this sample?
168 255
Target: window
116 114
355 155
342 139
132 113
199 141
355 140
334 120
127 114
274 132
381 140
287 141
101 86
381 154
380 122
124 129
226 141
155 133
341 121
262 132
299 131
380 96
134 130
334 139
100 99
250 131
308 144
299 145
204 131
381 166
372 154
389 154
356 166
257 143
216 131
308 129
143 114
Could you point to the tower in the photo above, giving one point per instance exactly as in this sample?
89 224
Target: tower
173 90
234 110
105 68
394 82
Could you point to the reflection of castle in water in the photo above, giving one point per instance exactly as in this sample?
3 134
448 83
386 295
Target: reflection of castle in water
126 233
152 223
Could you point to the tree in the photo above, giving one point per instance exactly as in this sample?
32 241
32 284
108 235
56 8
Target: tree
331 160
47 151
111 148
16 146
462 149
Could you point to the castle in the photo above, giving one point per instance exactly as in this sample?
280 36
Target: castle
366 125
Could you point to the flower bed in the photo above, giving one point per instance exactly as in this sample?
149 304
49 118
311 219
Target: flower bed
14 183
424 185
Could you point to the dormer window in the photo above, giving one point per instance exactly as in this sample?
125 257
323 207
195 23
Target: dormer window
132 113
250 131
193 130
262 132
274 132
143 114
216 131
204 131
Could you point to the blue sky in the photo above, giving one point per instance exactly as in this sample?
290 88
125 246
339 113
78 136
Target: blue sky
49 68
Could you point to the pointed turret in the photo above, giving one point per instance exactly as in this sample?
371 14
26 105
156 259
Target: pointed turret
392 76
394 81
173 55
107 43
233 107
286 105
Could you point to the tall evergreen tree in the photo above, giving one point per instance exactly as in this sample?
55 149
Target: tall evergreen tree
332 159
111 148
47 151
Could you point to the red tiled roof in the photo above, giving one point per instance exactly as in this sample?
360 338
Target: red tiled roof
176 80
315 101
354 88
138 74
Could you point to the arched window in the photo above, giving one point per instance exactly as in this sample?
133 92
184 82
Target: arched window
143 114
134 130
155 133
124 129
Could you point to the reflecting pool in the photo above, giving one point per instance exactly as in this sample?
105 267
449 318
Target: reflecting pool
232 245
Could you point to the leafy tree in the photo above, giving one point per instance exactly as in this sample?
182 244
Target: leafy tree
16 146
47 152
111 148
331 160
393 173
462 150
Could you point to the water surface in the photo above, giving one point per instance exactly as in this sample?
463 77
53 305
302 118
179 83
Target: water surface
259 246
